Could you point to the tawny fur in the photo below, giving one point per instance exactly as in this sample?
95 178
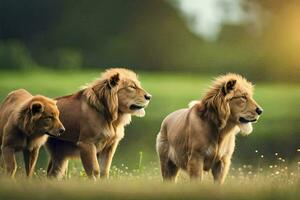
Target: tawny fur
24 125
202 137
95 118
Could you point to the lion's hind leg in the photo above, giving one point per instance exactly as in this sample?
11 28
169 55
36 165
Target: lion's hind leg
58 163
169 170
57 168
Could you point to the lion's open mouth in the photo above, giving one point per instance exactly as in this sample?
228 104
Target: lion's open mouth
52 135
136 107
244 120
47 133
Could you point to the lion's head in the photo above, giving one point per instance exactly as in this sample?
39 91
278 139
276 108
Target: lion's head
41 115
230 100
119 91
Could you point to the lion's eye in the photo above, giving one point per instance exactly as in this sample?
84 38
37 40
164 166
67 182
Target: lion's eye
132 87
242 100
49 118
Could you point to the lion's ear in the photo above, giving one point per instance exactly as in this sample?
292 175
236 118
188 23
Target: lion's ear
36 107
229 86
114 80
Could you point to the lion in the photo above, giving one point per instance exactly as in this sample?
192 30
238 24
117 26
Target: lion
95 118
26 121
202 137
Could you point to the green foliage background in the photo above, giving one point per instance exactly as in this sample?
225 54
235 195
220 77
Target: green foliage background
148 35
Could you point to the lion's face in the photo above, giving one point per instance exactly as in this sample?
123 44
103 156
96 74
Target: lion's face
133 98
243 108
45 117
123 92
120 92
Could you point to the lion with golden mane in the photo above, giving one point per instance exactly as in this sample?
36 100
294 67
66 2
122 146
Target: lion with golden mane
202 137
94 118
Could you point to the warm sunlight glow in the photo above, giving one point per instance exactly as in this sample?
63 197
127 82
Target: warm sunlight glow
285 36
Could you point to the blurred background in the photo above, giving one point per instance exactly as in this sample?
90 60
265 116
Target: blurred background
52 47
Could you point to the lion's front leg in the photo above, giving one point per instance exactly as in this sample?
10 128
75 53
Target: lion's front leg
105 159
30 158
220 170
195 166
88 155
9 160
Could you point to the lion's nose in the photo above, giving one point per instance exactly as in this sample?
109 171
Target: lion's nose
148 96
61 130
259 110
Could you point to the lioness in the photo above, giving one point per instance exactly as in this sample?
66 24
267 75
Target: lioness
202 137
25 123
94 118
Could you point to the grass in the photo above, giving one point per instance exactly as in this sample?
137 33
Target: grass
265 165
279 181
42 189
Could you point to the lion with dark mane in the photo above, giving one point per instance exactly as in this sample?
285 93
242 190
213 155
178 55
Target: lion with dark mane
202 137
94 119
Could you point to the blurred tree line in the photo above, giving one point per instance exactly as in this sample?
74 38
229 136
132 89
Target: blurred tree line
148 35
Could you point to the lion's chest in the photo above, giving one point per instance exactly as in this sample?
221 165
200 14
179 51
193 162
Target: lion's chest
109 138
36 142
210 154
217 151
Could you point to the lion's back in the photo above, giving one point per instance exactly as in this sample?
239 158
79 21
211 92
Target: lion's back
14 99
11 104
174 121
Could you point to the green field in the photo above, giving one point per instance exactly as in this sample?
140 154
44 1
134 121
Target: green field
135 172
125 190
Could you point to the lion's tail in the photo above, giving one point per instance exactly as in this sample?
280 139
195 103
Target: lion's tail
192 103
